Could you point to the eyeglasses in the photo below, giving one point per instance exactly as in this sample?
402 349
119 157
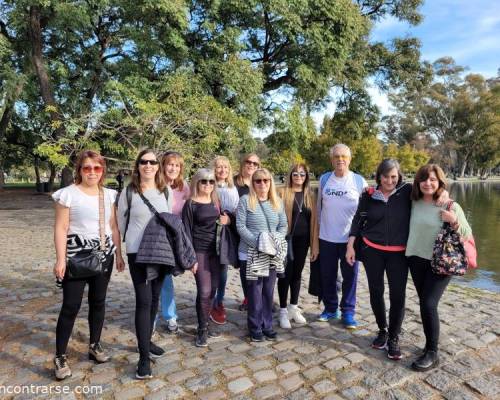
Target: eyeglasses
340 157
297 174
260 181
88 169
207 181
250 162
142 161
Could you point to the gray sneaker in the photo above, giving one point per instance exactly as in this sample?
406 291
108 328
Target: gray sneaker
62 369
97 354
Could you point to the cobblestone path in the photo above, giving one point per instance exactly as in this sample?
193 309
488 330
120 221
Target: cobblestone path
317 360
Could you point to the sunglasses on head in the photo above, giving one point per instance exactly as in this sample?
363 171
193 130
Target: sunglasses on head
88 169
297 174
254 163
263 180
150 162
207 181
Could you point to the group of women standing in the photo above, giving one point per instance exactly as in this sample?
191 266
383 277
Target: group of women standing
262 221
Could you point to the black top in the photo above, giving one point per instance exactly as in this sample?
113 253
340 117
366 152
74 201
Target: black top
387 223
301 218
200 223
242 190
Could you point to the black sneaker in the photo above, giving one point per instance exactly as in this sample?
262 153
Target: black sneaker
270 335
143 370
380 342
256 337
426 361
155 351
394 352
201 338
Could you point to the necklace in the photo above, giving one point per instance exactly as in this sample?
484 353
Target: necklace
299 206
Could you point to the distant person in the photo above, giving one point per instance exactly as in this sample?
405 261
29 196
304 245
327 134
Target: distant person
81 225
120 178
425 223
249 164
338 196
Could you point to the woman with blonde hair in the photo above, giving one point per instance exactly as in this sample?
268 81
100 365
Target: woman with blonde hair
300 208
261 211
248 165
229 198
200 215
173 172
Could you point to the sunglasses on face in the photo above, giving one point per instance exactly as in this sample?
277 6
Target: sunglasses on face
207 181
254 163
88 169
260 181
340 157
299 174
150 162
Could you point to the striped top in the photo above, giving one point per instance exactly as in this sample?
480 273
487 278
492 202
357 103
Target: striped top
229 198
250 223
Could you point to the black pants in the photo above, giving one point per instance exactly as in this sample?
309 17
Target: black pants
430 287
293 272
396 267
207 280
72 300
147 297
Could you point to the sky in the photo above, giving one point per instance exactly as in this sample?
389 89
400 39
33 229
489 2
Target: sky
466 30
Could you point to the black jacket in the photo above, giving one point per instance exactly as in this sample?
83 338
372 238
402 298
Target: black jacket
388 223
227 242
165 243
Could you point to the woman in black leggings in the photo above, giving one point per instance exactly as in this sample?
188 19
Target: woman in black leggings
425 223
300 208
85 219
200 216
133 217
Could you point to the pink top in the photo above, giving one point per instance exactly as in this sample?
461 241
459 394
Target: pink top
180 197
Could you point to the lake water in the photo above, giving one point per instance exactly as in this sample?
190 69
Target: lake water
481 203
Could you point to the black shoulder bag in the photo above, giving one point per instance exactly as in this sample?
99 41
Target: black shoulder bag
89 262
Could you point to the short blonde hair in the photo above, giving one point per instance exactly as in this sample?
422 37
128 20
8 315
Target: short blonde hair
224 160
263 173
203 173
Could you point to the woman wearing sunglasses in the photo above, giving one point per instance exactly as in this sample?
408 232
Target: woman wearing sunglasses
229 198
249 164
173 172
82 224
200 216
134 215
260 211
300 208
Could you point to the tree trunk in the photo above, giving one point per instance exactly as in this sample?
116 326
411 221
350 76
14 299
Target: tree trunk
66 176
37 170
2 179
52 176
462 170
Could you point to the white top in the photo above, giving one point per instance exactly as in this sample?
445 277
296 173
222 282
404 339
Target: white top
229 198
84 210
140 214
340 198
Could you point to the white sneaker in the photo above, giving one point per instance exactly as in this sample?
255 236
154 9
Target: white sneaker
284 321
295 314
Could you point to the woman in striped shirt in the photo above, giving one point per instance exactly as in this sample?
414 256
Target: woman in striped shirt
260 211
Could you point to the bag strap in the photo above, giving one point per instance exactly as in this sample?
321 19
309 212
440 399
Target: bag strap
448 208
128 194
265 216
149 205
102 228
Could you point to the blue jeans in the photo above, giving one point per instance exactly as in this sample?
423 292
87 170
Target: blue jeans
168 309
329 256
221 288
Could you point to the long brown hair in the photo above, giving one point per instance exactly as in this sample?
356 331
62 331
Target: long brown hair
239 177
94 155
422 175
173 155
288 195
135 183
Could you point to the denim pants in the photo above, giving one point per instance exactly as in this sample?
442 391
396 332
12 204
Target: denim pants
329 255
168 308
221 288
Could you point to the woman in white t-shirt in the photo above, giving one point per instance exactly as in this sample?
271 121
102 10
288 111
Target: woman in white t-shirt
77 228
